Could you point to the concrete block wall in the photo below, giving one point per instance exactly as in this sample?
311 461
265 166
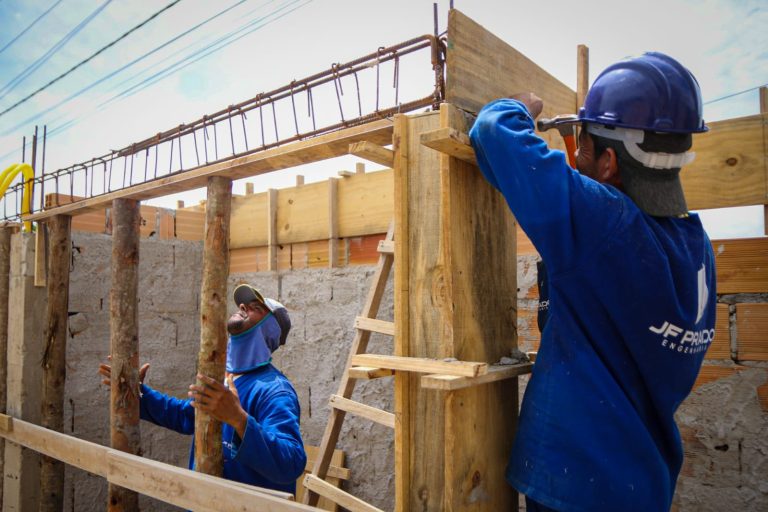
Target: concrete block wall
323 304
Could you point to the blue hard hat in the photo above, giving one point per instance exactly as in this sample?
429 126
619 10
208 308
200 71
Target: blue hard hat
652 92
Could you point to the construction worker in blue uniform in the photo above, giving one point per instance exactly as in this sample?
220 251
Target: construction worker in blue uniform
631 286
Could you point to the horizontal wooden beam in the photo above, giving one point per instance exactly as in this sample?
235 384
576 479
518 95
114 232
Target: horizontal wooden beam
495 373
374 325
421 365
366 411
291 155
373 152
451 142
369 372
180 487
346 500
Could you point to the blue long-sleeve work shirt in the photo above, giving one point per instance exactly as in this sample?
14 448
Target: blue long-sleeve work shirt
271 453
631 314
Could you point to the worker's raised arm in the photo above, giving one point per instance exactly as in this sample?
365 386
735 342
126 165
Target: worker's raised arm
166 411
558 209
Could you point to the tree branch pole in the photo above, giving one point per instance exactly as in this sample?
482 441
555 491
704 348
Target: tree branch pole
54 357
5 271
212 357
124 343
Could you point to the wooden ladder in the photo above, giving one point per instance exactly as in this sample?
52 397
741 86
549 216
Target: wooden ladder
341 403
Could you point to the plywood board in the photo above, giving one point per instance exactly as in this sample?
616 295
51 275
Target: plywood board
249 221
480 68
302 213
730 166
741 265
752 331
365 203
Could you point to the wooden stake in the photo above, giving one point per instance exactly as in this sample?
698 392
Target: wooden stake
40 255
124 342
582 74
763 110
213 318
272 228
54 357
249 189
5 270
333 222
299 180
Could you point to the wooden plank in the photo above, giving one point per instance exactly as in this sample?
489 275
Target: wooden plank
290 155
401 148
344 499
336 473
360 167
582 74
741 265
366 411
720 348
333 222
124 343
345 174
730 165
272 209
386 247
421 365
302 213
477 244
248 226
480 68
6 423
365 204
369 372
373 152
82 454
190 224
211 357
752 331
495 373
41 255
451 142
374 325
54 359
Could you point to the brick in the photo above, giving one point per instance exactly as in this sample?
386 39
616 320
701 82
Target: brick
721 346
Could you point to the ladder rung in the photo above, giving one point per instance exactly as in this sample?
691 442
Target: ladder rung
386 247
417 364
374 325
369 372
346 500
366 411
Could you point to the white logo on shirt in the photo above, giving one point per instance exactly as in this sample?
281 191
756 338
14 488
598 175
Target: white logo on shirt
703 293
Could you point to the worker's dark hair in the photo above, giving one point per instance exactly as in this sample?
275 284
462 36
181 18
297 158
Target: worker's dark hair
654 142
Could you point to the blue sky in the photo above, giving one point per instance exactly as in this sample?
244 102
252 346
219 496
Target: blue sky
723 42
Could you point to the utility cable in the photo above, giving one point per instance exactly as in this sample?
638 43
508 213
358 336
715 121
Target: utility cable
735 94
85 61
52 51
9 43
120 69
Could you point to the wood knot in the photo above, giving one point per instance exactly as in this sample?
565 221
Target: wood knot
732 161
476 479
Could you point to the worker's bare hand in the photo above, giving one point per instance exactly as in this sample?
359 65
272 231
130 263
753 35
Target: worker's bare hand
105 371
222 403
533 103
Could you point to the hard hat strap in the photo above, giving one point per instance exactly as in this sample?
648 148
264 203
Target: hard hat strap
632 140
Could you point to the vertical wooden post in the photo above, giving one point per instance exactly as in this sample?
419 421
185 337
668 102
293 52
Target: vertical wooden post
213 318
124 343
299 180
54 357
763 110
461 244
272 229
333 222
5 271
582 75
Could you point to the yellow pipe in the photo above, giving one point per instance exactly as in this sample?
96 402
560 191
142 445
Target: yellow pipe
7 177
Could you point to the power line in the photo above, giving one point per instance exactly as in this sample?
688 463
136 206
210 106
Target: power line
9 43
52 51
735 94
120 69
73 68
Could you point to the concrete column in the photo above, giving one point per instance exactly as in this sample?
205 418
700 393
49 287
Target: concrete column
26 322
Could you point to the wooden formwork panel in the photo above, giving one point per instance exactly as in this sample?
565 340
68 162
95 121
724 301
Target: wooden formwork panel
752 331
302 213
249 221
365 204
741 265
730 165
